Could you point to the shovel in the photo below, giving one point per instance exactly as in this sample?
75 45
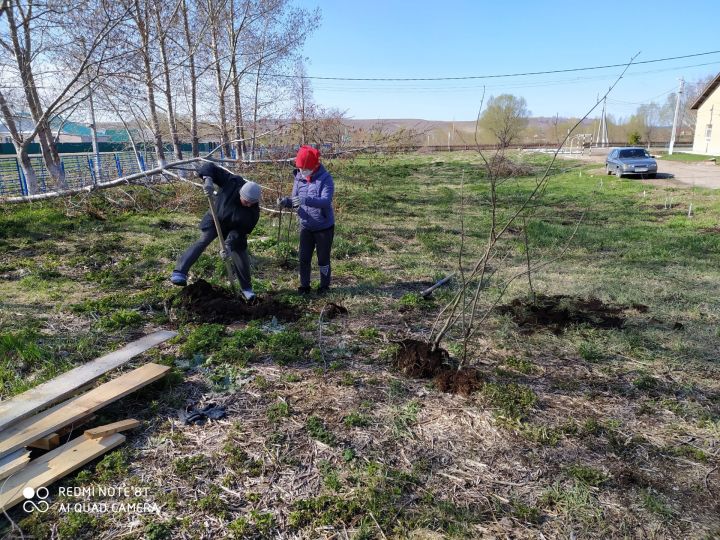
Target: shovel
228 265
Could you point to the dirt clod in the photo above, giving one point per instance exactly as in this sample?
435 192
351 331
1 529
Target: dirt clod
560 311
332 310
463 381
204 302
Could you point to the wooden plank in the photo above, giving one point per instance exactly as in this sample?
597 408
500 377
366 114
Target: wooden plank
13 463
76 424
48 393
46 422
48 442
109 429
57 463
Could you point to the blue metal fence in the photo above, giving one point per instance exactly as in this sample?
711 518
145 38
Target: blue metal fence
80 170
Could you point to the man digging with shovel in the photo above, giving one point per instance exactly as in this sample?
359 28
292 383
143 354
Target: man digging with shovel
235 213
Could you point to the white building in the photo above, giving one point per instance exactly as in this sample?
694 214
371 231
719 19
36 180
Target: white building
707 130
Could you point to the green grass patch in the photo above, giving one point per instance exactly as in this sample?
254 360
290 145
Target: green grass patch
511 400
317 429
687 157
202 339
586 474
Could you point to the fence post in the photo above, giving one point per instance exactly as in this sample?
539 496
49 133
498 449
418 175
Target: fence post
92 170
118 166
142 162
21 177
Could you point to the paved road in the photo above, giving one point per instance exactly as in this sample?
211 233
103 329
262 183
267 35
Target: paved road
671 172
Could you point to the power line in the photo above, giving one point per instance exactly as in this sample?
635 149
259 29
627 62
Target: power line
497 76
336 87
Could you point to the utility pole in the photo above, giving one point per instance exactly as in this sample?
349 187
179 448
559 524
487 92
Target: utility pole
677 110
602 128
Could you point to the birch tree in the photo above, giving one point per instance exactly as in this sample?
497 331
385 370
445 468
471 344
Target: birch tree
30 34
140 13
163 24
190 45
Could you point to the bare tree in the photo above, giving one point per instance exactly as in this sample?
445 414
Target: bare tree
192 76
32 35
163 24
464 308
140 13
272 32
303 100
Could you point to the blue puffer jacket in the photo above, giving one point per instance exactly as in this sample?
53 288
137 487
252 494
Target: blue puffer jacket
317 212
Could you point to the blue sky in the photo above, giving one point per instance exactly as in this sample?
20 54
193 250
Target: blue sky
453 38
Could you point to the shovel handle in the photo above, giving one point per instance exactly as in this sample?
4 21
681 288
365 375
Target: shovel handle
228 265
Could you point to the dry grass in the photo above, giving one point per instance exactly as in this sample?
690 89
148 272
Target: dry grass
588 432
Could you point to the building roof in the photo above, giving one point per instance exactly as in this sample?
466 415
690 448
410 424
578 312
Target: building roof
22 123
70 128
119 135
707 91
25 125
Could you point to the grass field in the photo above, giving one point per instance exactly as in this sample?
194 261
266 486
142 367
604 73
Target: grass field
578 431
686 157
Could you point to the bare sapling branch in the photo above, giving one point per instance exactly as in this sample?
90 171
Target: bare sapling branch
456 309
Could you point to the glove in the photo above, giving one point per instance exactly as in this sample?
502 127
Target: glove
298 201
227 248
284 202
209 187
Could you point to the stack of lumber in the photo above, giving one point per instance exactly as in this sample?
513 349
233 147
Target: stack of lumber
39 418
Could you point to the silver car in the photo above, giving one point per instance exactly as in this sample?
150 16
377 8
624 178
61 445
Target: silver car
622 161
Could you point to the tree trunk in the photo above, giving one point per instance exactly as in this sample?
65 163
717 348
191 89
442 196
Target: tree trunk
255 112
220 88
20 147
239 127
193 84
168 88
143 29
22 58
257 91
303 128
31 181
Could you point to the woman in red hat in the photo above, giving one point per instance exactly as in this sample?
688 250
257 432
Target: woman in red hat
312 196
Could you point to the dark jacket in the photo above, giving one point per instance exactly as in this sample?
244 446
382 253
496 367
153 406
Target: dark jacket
236 220
317 212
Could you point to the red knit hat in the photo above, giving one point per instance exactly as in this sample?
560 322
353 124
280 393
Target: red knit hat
307 158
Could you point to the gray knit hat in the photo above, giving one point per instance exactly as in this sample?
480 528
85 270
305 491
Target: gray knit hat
250 191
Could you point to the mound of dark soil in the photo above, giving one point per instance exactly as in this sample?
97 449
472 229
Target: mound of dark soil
560 311
464 381
332 310
204 302
417 359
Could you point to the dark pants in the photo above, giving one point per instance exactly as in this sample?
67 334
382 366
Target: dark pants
309 241
240 259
